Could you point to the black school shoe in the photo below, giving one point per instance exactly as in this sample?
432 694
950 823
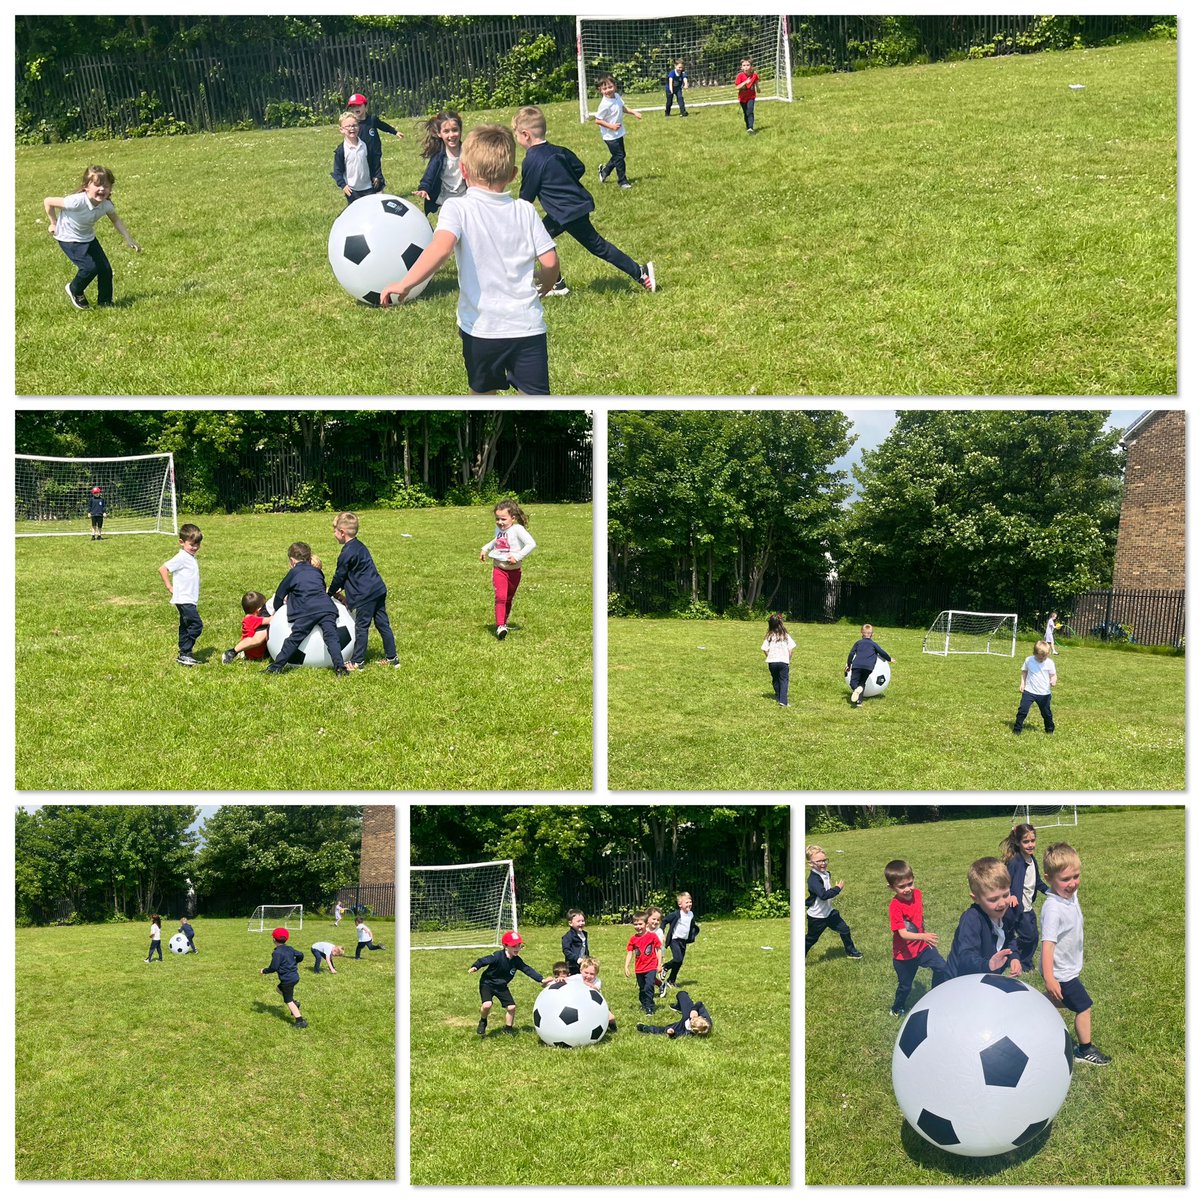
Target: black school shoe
481 1029
301 1023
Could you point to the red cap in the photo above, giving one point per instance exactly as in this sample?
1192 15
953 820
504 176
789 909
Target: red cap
280 934
95 491
512 938
357 98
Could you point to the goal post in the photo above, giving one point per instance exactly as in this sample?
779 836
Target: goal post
956 631
290 916
639 52
52 494
461 907
1046 816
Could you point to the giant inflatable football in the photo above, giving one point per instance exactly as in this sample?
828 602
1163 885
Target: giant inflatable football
374 242
569 1013
313 652
877 681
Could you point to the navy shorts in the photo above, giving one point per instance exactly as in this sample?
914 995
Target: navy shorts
489 990
1074 995
496 364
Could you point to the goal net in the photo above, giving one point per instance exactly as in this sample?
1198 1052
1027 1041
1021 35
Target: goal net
1046 816
639 52
461 907
53 493
271 916
957 632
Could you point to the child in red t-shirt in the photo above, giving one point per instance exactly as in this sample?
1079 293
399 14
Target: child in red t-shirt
912 946
649 960
747 86
253 643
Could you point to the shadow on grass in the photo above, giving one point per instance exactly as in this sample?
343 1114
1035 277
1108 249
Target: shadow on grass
280 1014
925 1154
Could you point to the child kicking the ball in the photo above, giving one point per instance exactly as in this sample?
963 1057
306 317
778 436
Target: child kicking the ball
821 914
861 660
694 1020
499 970
366 593
253 642
283 963
912 945
512 544
309 608
495 241
1062 947
981 943
553 175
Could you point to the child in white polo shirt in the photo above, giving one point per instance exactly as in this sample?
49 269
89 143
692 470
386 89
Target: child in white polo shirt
494 239
181 575
1038 676
73 220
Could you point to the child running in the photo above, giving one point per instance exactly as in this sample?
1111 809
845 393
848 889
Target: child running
512 544
253 642
357 168
821 914
1038 676
982 946
610 116
369 129
680 930
73 220
443 179
648 962
283 963
498 972
495 241
861 660
553 175
366 939
96 510
1024 884
912 945
778 646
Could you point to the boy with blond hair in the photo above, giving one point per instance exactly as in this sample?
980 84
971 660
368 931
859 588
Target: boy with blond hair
679 931
181 575
982 946
495 241
553 175
1038 676
1062 946
366 593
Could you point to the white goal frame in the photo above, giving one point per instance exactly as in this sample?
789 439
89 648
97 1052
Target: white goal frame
938 638
261 917
1039 815
593 57
461 935
60 507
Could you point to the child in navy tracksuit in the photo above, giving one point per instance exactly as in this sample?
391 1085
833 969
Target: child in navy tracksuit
369 129
912 944
821 914
188 932
860 662
357 161
309 608
575 940
96 510
498 972
693 1020
1024 884
283 963
551 174
443 179
680 930
982 946
366 593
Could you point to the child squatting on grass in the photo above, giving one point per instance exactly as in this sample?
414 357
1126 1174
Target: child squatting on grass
366 593
821 914
498 972
777 647
283 963
981 943
325 952
181 576
1024 884
861 660
1062 947
73 220
253 642
510 546
495 240
912 944
1038 676
309 608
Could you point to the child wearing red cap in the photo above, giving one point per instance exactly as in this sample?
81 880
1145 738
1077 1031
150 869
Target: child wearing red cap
369 128
498 971
96 510
283 963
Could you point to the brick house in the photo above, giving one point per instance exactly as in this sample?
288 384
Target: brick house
1151 538
376 863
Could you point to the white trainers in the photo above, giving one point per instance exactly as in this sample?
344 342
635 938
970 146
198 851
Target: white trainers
501 632
649 281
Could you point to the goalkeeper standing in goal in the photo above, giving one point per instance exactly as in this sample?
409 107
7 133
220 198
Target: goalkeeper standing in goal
861 660
96 507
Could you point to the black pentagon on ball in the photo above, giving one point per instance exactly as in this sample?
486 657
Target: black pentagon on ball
411 255
568 1016
371 298
597 1033
1070 1048
1004 1063
915 1031
596 997
555 986
1030 1133
537 1019
356 248
1002 983
937 1129
394 207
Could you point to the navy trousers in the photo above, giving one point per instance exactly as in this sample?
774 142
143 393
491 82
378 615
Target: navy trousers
678 949
376 611
818 925
779 680
190 627
906 972
302 627
90 263
1028 700
582 231
616 159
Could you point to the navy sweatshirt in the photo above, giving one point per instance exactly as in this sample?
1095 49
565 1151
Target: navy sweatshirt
356 569
551 174
498 969
975 943
864 652
283 963
303 590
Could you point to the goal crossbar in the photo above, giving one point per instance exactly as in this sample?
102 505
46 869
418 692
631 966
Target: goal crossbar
291 916
462 905
960 631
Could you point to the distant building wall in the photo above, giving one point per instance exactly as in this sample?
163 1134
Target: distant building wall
378 862
1152 536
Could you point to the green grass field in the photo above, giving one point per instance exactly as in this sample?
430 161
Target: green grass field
190 1068
101 702
1120 1124
965 228
634 1109
690 706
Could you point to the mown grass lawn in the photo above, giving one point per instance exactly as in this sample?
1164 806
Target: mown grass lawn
1120 1124
961 228
690 707
191 1068
102 704
718 1107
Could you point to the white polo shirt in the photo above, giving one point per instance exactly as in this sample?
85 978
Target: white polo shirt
1039 675
358 174
1062 924
78 217
185 578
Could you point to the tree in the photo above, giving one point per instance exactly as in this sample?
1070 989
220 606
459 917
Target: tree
1008 508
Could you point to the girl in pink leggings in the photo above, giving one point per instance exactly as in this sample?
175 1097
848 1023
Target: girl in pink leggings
506 550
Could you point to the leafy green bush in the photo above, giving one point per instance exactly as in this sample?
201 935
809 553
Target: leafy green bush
757 905
309 496
897 44
198 500
619 606
484 491
403 495
694 610
288 114
819 821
